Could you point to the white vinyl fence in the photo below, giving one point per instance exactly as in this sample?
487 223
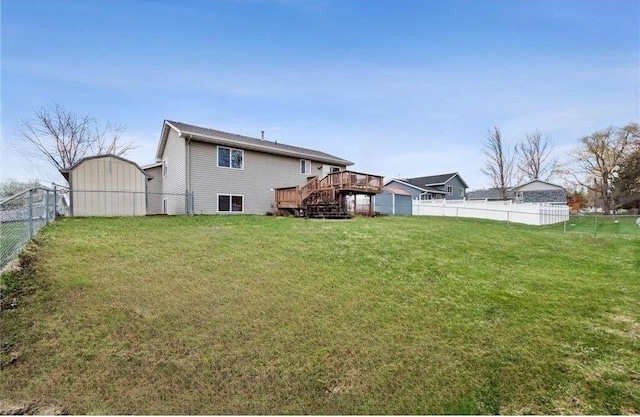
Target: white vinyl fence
537 214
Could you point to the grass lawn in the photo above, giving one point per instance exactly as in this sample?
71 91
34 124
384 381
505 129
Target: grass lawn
264 315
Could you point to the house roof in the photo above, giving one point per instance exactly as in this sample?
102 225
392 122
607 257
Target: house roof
205 134
432 180
540 181
149 166
487 194
65 172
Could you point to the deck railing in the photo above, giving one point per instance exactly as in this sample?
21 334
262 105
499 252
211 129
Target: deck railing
357 182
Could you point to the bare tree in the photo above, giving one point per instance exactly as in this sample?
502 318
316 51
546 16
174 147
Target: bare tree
535 159
499 163
62 137
599 158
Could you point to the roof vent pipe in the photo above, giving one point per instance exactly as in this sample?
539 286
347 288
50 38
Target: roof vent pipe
262 131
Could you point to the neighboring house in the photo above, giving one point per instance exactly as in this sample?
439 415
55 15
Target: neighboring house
535 191
154 188
225 173
448 186
490 194
538 191
106 185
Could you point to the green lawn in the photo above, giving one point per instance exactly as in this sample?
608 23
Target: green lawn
267 315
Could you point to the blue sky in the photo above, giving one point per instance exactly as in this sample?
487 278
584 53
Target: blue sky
402 88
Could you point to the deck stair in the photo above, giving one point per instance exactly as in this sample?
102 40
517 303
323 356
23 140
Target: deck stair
326 197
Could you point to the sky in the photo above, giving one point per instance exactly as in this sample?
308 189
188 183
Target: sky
403 88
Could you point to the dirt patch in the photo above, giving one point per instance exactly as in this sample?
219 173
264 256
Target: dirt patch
31 408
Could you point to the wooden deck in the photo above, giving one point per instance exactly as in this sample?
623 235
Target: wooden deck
330 190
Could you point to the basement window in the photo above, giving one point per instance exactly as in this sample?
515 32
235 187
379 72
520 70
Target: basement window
230 203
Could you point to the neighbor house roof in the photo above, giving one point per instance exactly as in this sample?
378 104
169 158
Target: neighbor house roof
205 134
432 180
540 181
65 172
487 194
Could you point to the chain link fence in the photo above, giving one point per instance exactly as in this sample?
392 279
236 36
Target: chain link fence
21 216
117 203
599 224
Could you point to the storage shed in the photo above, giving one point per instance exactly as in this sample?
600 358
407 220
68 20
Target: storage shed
394 200
107 186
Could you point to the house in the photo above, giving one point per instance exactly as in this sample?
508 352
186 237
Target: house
489 194
106 185
207 171
154 188
538 191
448 186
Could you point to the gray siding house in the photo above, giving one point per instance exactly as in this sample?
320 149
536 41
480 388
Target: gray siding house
228 173
538 191
393 199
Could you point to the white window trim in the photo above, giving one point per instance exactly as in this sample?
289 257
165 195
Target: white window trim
230 203
307 165
165 168
449 189
165 206
230 150
333 169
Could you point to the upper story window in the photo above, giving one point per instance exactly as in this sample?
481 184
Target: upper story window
305 166
461 191
230 158
165 168
449 189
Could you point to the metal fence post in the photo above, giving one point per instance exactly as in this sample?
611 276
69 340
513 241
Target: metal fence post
55 202
30 213
46 206
193 200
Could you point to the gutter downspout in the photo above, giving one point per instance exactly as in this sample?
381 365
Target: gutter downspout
188 166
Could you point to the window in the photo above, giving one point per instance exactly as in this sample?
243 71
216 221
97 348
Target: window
305 166
230 203
438 197
334 169
230 158
461 191
164 206
165 168
425 197
449 189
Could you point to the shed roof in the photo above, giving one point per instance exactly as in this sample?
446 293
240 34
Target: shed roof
65 172
396 190
205 134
